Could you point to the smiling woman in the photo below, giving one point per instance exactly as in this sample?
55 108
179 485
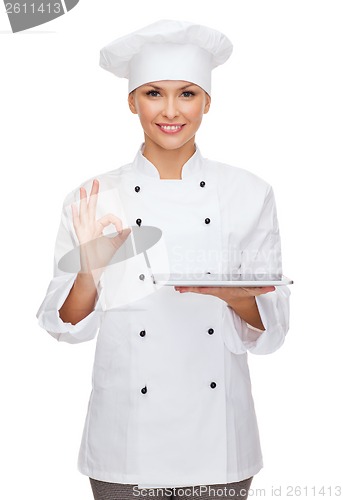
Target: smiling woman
171 403
170 116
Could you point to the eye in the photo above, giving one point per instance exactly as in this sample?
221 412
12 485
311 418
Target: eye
151 92
188 92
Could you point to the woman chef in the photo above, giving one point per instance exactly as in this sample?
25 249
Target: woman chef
171 404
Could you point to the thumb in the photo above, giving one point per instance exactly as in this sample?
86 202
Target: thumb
122 235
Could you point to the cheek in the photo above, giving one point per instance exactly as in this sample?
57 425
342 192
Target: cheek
196 114
147 112
195 111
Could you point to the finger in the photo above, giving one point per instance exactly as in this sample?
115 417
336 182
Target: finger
194 289
267 289
83 205
108 219
93 199
259 290
122 236
75 214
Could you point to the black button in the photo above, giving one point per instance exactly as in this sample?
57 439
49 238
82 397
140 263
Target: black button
141 277
137 188
210 331
139 221
213 385
207 220
202 184
144 390
142 333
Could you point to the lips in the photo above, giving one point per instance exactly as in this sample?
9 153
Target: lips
172 128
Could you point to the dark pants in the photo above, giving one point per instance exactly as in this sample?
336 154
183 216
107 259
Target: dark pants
116 491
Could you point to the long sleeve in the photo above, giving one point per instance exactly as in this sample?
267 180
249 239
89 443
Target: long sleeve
58 290
262 254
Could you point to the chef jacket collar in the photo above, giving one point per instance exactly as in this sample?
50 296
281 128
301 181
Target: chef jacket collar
145 167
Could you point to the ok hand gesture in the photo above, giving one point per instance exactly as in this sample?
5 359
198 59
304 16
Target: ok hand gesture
96 250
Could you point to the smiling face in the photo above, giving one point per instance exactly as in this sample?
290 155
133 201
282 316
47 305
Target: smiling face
170 111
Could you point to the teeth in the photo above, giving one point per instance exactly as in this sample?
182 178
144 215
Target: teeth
171 127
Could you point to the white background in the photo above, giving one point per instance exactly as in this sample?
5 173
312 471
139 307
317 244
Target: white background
277 111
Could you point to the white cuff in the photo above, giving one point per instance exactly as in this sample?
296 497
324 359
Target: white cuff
50 320
240 337
254 328
274 311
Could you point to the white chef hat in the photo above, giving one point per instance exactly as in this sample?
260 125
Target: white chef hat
167 50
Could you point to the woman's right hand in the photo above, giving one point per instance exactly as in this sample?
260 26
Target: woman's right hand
96 250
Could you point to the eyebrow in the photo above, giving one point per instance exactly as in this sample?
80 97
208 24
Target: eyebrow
160 88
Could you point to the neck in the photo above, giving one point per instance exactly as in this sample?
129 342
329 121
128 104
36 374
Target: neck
169 162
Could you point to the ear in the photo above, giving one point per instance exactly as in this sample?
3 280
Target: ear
131 102
207 103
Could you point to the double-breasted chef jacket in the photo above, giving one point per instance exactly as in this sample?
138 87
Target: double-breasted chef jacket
171 402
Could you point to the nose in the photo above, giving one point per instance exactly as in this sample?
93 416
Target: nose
170 108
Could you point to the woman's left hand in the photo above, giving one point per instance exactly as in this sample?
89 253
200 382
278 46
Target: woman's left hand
227 293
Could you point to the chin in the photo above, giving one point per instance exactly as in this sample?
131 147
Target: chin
170 147
171 143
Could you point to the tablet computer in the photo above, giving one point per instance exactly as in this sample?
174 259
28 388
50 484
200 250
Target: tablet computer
209 279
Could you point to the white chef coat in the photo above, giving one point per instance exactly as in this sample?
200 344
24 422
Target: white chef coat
194 421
